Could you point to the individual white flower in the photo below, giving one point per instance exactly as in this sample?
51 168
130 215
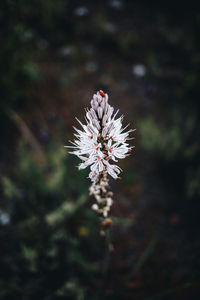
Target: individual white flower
101 142
87 162
117 150
113 170
98 165
116 132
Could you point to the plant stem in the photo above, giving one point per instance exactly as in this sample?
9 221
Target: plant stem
107 251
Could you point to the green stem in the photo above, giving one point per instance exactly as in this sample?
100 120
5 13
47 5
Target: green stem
107 251
136 267
101 291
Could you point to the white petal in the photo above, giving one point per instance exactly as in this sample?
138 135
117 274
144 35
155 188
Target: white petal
109 143
104 132
96 123
93 113
93 167
100 112
100 166
104 120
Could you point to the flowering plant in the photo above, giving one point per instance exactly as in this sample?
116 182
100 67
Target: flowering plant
101 142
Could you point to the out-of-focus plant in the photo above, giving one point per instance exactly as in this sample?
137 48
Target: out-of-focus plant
26 29
48 223
172 145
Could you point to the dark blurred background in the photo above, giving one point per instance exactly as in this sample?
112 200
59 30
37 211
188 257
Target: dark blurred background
54 55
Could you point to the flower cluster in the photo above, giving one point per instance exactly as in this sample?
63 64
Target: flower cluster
101 142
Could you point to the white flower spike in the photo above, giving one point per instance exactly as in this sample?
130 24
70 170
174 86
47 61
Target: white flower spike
102 141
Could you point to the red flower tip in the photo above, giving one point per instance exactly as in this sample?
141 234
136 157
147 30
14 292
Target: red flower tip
102 93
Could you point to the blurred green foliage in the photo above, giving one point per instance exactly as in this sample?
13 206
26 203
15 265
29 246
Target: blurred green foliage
25 25
50 243
48 223
162 141
169 145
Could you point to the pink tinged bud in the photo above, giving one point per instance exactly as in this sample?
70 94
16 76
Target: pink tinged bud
110 111
95 97
110 127
100 112
92 102
106 108
96 104
105 117
104 132
106 97
95 207
103 103
99 99
93 113
95 101
96 123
